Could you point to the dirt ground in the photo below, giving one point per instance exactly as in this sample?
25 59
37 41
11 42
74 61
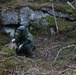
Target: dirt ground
46 52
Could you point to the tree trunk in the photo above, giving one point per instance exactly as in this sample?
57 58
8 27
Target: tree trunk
75 5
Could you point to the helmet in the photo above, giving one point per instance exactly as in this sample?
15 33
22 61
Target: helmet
20 30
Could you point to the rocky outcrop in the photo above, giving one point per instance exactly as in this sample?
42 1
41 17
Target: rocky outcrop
26 14
9 17
10 31
58 14
22 17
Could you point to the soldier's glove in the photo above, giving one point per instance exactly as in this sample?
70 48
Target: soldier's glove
20 46
13 40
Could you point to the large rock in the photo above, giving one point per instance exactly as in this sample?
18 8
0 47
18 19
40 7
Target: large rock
9 31
23 16
9 17
27 14
57 14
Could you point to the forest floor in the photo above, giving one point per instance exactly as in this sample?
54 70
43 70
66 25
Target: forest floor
46 61
54 55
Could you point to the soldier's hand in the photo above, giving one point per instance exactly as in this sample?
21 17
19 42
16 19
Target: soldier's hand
13 40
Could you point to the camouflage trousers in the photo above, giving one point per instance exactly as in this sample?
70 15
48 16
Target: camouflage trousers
26 50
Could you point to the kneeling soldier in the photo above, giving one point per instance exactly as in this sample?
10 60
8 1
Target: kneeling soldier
25 42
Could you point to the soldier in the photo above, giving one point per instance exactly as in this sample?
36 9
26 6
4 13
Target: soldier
24 41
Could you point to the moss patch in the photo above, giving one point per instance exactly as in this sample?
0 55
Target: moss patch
7 50
63 27
4 39
16 5
62 24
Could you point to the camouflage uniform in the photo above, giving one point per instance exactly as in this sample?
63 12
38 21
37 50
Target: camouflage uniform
26 39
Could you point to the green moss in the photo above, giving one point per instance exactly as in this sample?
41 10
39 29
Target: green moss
69 10
40 29
73 15
4 39
1 71
10 52
62 24
60 8
50 20
34 6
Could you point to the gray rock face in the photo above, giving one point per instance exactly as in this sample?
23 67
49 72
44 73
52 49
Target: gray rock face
23 17
9 17
9 31
52 32
27 14
58 14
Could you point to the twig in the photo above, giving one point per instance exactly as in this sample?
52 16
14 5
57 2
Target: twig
55 19
64 71
71 67
62 49
70 5
74 49
6 59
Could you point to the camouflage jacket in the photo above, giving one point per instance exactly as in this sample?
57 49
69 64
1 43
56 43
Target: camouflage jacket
26 35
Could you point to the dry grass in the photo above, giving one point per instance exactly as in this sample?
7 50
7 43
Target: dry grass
46 50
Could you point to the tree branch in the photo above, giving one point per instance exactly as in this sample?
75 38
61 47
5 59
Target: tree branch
62 49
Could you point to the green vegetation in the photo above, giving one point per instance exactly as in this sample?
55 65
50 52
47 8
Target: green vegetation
69 10
38 28
4 43
66 55
1 71
46 47
17 5
14 4
4 39
7 50
63 27
42 29
62 24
